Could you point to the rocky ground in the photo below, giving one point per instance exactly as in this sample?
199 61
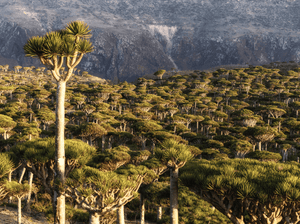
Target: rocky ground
8 215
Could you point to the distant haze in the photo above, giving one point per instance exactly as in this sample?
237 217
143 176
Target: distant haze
137 37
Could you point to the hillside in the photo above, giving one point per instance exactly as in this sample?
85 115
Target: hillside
223 115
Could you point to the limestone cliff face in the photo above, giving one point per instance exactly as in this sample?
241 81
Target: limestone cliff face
133 38
125 55
205 52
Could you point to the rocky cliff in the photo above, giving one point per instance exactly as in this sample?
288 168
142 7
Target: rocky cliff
137 37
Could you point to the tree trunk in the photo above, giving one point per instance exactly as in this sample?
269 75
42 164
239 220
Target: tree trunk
259 146
94 218
142 209
159 213
9 180
27 206
285 155
19 210
153 146
22 174
60 152
207 133
110 142
120 215
174 195
90 141
143 143
103 143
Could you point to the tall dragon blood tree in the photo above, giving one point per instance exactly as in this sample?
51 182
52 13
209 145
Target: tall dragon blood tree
55 49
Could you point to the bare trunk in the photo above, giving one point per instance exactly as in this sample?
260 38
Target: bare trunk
153 146
22 174
9 180
174 195
27 206
110 142
259 146
207 133
60 152
143 144
120 215
103 143
285 155
142 210
91 141
94 218
159 213
19 210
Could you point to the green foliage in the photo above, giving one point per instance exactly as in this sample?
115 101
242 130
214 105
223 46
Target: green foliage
214 144
194 210
153 163
46 115
76 215
241 145
159 72
43 205
265 156
210 153
142 127
160 136
92 129
110 157
60 42
157 192
78 151
245 178
90 182
43 150
16 189
6 122
173 153
6 164
102 180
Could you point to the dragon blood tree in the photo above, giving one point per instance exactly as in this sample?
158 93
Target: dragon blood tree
55 49
246 190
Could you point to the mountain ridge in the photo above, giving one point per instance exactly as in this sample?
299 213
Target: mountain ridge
144 36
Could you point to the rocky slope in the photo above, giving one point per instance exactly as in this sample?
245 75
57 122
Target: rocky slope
137 37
